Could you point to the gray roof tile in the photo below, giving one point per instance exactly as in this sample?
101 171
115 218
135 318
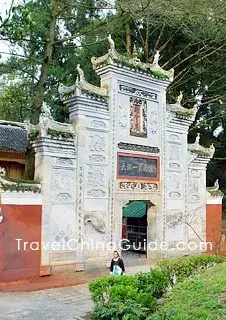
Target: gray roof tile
13 138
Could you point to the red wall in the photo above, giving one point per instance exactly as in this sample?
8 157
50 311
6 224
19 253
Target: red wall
213 226
20 222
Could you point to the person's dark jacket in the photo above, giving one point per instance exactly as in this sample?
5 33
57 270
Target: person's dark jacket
119 263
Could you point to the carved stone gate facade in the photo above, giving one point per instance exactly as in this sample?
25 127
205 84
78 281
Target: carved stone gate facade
123 143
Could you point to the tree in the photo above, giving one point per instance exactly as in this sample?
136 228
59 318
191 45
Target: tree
57 36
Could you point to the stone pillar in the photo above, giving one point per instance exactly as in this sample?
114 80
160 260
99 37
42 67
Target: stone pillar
90 118
55 168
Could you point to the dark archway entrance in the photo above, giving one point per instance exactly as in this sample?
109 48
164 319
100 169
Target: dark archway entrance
134 226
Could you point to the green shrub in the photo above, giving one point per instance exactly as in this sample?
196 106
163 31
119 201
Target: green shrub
154 282
184 267
113 296
107 289
147 300
128 310
135 297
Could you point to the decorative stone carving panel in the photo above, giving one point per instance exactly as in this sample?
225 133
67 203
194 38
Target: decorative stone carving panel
123 119
174 156
174 185
96 158
96 193
138 93
98 124
138 117
154 123
63 197
63 185
138 186
62 225
194 190
97 143
62 233
195 221
97 223
174 218
96 176
138 147
194 173
174 137
64 162
174 152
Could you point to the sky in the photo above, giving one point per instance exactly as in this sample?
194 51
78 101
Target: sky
4 45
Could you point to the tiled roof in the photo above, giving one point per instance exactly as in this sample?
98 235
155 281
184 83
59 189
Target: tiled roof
13 138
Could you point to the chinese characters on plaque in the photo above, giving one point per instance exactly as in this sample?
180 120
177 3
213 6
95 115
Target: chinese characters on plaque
138 117
132 166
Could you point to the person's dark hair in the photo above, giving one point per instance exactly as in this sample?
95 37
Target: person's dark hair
116 252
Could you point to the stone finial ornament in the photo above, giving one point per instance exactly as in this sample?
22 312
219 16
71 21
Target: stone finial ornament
214 188
113 57
180 98
216 185
65 90
80 72
135 54
46 111
156 57
111 42
197 139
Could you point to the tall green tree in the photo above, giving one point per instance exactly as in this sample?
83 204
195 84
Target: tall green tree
189 35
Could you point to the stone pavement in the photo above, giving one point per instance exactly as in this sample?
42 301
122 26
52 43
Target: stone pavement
68 303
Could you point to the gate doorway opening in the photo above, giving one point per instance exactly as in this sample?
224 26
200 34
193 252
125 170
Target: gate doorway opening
134 226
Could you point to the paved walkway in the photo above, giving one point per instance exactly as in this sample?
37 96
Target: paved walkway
68 303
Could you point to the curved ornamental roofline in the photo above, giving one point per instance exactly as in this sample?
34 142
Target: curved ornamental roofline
81 86
200 150
113 57
179 111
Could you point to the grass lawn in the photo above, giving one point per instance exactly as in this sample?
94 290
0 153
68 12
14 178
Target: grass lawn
202 297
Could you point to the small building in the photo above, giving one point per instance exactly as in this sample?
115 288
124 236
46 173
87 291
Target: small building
13 144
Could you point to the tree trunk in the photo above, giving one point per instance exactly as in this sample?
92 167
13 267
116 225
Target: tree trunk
40 91
146 45
39 96
128 38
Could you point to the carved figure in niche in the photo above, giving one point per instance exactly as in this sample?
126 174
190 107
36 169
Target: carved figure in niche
138 117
